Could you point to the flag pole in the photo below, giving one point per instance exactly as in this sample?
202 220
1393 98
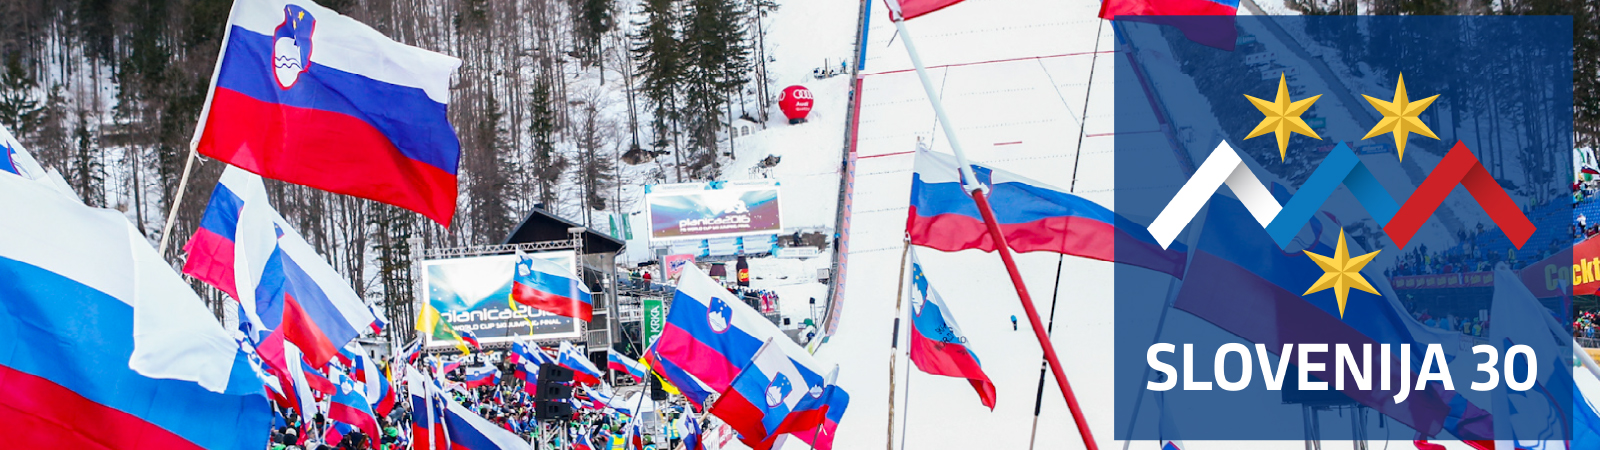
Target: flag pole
979 195
1055 289
1033 317
894 341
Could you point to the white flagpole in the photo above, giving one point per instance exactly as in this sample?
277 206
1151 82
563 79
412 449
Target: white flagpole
979 194
970 179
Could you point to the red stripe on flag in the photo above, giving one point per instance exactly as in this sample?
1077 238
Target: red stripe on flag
299 328
912 9
211 261
326 150
940 358
41 414
551 303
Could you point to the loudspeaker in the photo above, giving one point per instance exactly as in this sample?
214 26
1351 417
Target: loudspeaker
548 411
553 392
551 373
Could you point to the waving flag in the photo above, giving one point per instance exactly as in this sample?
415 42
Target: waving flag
911 9
767 399
482 376
692 439
469 431
471 339
1032 215
431 324
427 414
937 345
547 286
581 440
1207 22
711 335
105 346
350 405
836 401
412 351
583 371
1255 292
383 404
622 363
245 248
1520 319
305 95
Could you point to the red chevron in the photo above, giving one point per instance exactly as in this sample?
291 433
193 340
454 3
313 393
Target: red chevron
1459 168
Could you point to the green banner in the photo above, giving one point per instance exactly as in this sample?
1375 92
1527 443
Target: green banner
627 228
655 319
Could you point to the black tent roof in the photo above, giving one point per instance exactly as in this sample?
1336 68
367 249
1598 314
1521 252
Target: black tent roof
541 226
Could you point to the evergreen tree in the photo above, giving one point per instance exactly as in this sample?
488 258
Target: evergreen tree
548 165
593 20
717 62
659 56
392 230
20 108
490 185
85 172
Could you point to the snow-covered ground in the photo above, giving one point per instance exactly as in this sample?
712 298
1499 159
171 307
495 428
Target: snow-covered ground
1014 76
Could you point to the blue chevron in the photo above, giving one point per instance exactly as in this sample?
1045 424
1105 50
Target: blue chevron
1341 167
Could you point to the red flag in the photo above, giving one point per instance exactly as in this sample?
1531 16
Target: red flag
1207 22
911 9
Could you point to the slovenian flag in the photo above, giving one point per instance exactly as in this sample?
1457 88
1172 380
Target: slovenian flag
692 439
427 413
484 375
937 345
711 335
1236 261
1032 215
836 401
583 371
548 287
621 363
350 405
105 346
770 397
305 95
471 339
246 249
469 431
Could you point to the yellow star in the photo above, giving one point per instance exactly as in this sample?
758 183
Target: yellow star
1341 272
1400 116
1283 117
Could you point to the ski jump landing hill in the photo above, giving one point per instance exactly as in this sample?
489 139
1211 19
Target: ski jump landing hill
1015 78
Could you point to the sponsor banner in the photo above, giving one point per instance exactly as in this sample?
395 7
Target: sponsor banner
675 264
710 213
1578 268
655 319
475 294
797 252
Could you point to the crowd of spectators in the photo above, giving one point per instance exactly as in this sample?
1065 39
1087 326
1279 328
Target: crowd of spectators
1471 326
506 404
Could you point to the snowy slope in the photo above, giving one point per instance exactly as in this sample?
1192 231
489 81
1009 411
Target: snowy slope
1014 76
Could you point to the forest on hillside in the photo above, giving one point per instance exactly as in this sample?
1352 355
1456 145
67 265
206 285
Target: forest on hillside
551 98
